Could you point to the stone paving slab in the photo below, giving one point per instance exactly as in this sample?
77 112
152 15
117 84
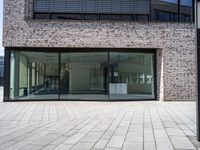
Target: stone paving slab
145 125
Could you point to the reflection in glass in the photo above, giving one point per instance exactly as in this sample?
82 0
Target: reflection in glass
186 10
172 10
186 2
84 76
165 10
170 1
81 76
137 73
33 75
165 16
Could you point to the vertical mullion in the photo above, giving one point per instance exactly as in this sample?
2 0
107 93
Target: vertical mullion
193 12
59 67
150 11
198 76
108 75
33 7
179 11
155 74
6 81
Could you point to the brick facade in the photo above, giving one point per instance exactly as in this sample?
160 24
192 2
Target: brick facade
175 43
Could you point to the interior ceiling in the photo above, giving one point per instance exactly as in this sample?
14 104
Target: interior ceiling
102 57
49 58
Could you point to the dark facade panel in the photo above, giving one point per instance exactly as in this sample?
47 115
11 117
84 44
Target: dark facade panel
198 38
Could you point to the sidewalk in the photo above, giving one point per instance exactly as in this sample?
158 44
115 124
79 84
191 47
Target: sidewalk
98 125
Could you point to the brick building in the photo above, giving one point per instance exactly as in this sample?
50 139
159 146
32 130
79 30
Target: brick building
99 50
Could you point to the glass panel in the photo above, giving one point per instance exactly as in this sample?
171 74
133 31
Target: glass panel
131 76
170 1
141 17
116 17
186 9
92 6
81 9
165 16
84 76
186 3
164 10
33 75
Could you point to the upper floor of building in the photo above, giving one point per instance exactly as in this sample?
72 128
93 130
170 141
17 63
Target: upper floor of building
124 10
96 23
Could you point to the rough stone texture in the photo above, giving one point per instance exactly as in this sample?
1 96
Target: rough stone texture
175 43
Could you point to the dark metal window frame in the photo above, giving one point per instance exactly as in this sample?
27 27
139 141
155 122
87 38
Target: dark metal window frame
97 14
8 50
198 73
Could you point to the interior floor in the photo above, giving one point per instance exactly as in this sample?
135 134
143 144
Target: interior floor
90 96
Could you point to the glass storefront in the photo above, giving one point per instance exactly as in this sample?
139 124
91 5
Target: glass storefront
82 75
34 75
132 76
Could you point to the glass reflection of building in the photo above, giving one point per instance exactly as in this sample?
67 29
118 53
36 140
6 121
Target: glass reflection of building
172 10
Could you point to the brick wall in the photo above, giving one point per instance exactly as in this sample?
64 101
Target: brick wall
175 43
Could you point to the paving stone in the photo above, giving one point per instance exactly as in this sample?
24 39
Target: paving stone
132 146
164 144
49 147
134 137
47 139
116 141
121 131
18 145
59 140
100 126
149 146
148 137
92 137
83 146
174 131
70 133
112 149
101 144
74 139
5 145
160 133
107 134
31 147
63 147
181 143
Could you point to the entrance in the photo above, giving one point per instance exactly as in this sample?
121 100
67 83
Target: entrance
82 75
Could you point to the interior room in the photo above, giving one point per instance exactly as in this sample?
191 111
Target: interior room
82 75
